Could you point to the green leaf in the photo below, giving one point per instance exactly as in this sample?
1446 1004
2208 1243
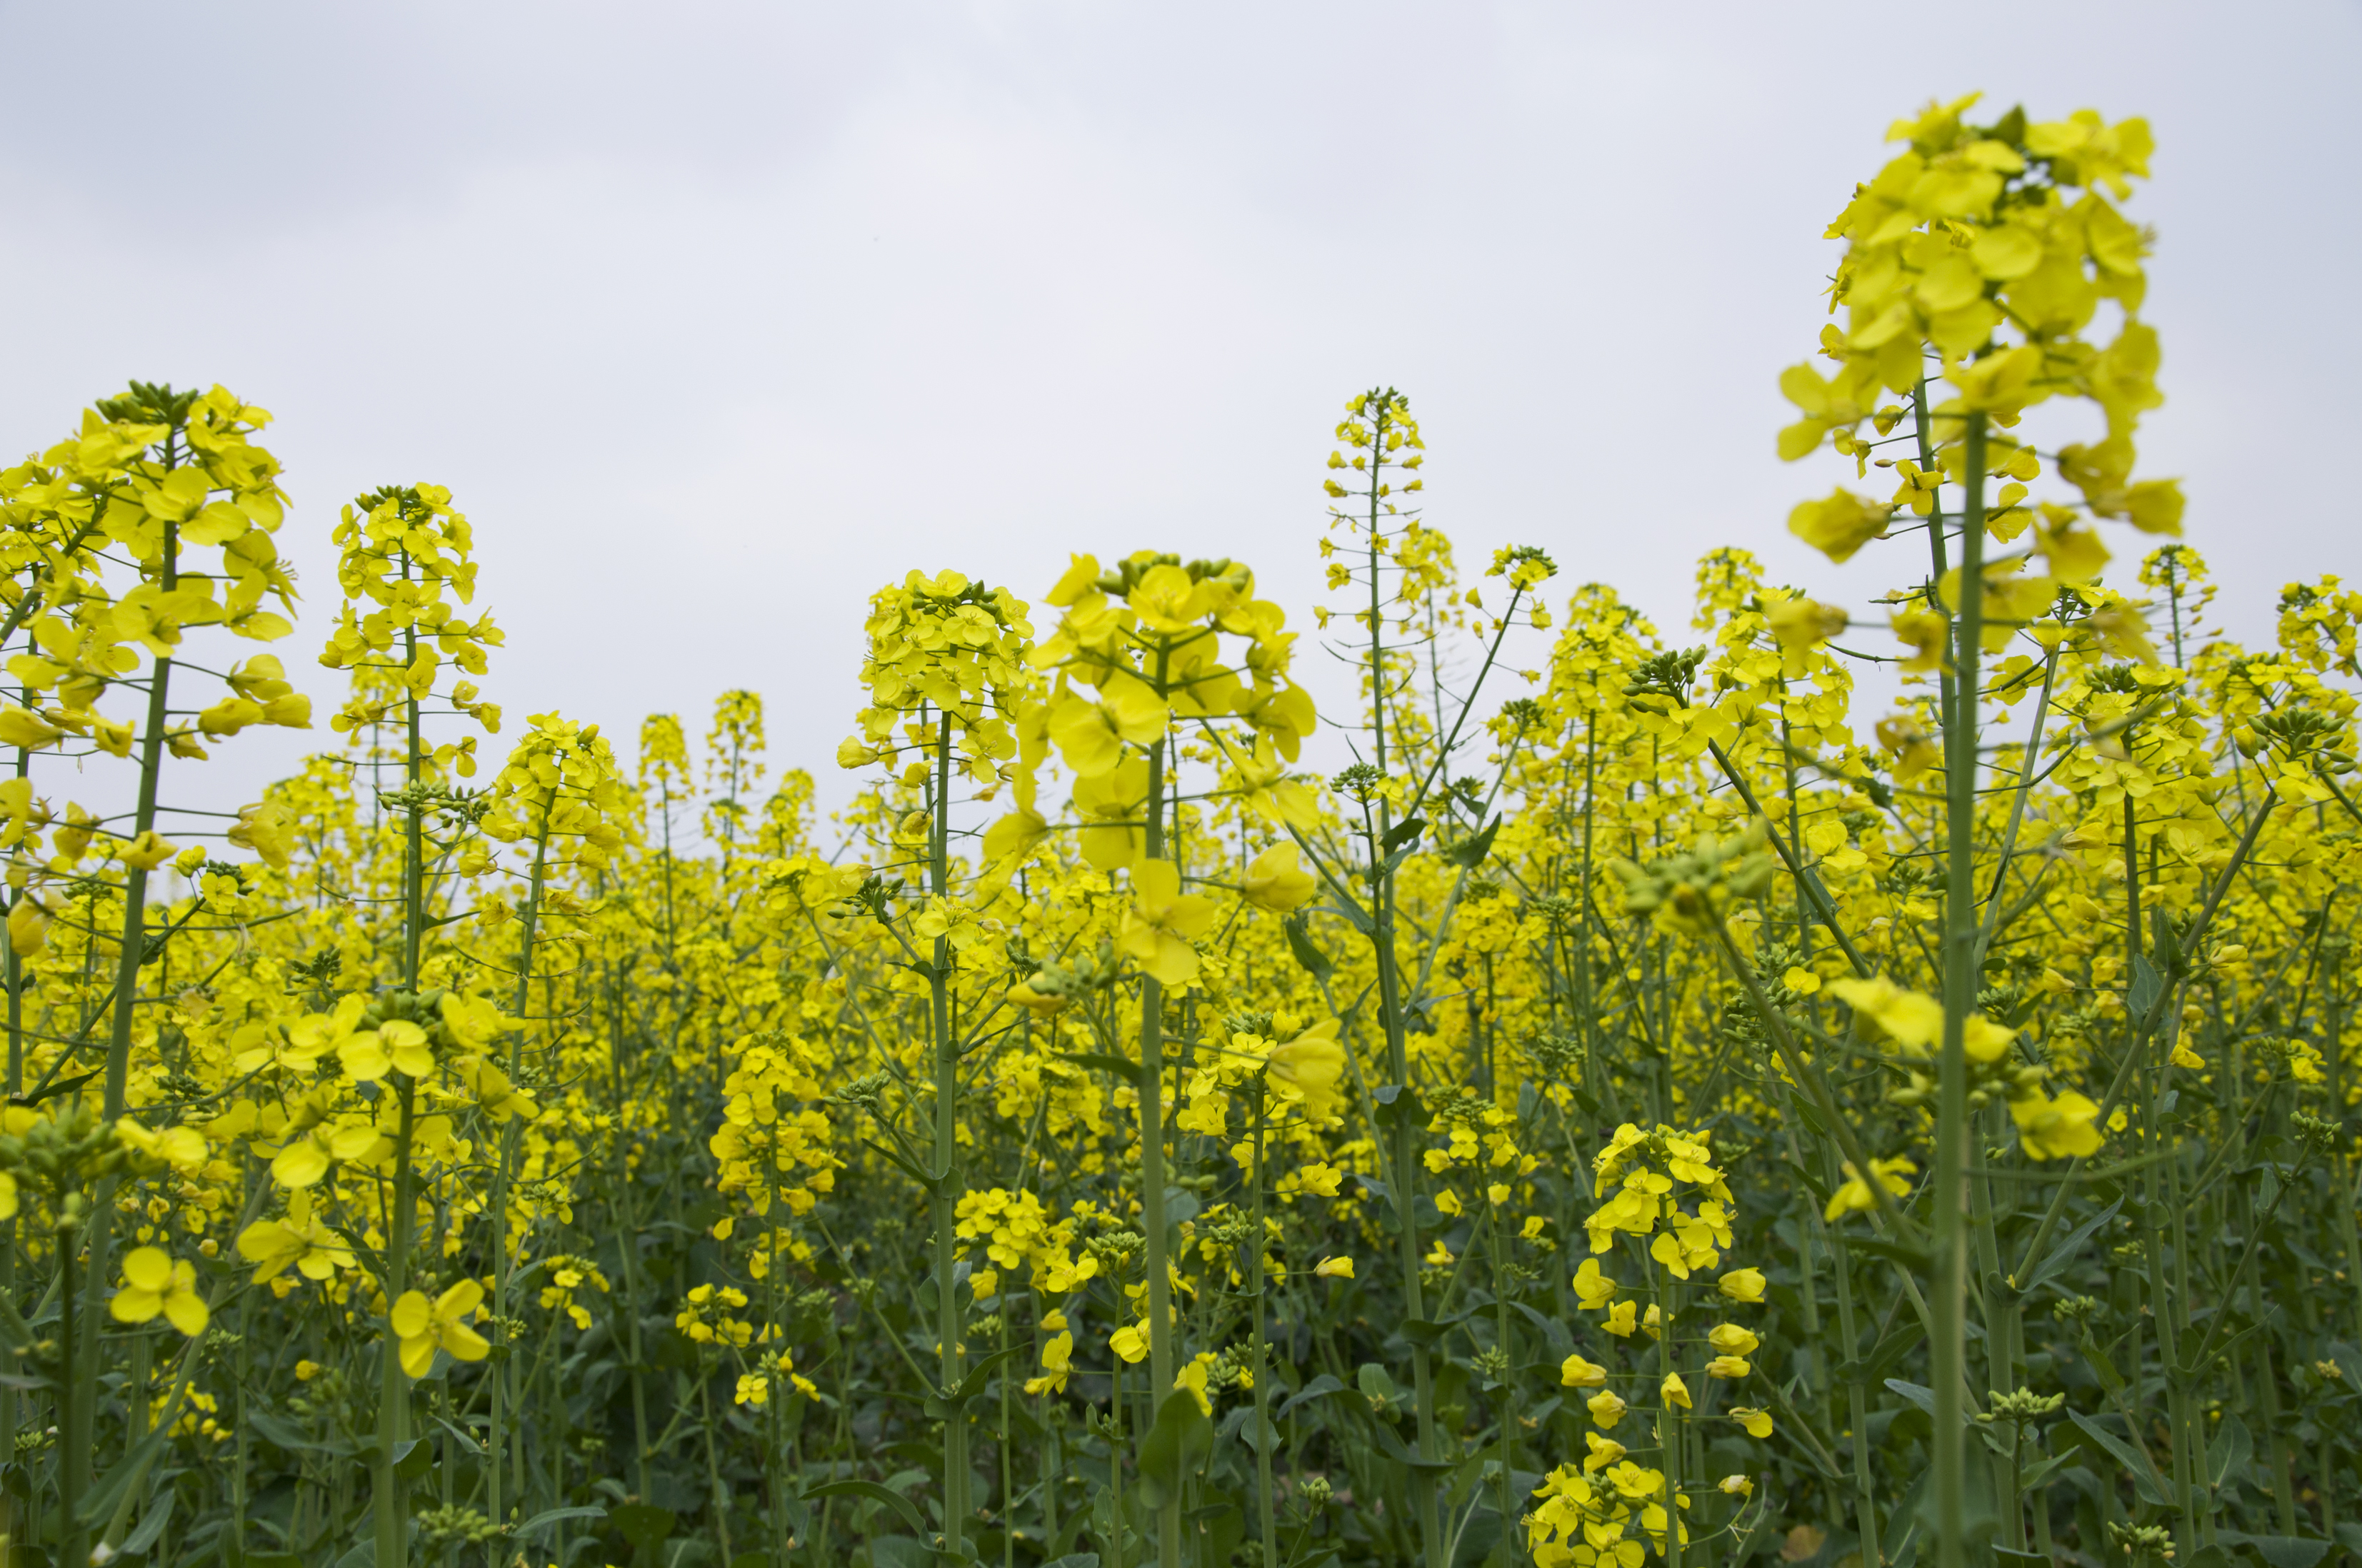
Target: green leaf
1351 913
2146 987
549 1516
971 1385
2227 1456
1308 956
1922 1397
876 1494
2035 1474
1908 1257
2145 1480
2061 1254
1404 832
2281 1550
921 1177
1173 1448
1320 1388
62 1086
643 1526
151 1527
99 1503
1470 853
1398 1103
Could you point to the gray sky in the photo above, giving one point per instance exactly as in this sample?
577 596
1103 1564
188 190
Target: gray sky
715 316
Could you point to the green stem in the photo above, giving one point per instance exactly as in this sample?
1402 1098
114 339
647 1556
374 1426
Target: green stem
1949 1284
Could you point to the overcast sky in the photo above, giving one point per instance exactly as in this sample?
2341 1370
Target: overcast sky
716 316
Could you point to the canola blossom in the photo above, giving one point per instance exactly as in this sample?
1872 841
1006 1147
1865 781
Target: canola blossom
1643 1102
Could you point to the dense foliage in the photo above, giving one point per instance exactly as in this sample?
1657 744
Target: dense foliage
1645 1106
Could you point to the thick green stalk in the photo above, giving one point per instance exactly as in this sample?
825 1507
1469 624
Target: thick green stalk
503 1266
1950 1238
1382 938
945 1193
1857 1399
389 1491
1265 1511
1152 1166
15 1087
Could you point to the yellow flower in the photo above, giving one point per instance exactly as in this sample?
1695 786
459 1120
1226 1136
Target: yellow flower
1622 1318
153 1283
1915 1020
148 851
1728 1366
1605 1451
1606 1407
1741 1285
1057 1362
1128 1342
1091 734
1574 1372
1757 1422
1855 1196
2049 1129
1841 524
1307 1068
1276 880
1193 1378
1592 1289
1732 1340
1334 1268
1163 922
1674 1391
1736 1485
312 1246
423 1327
